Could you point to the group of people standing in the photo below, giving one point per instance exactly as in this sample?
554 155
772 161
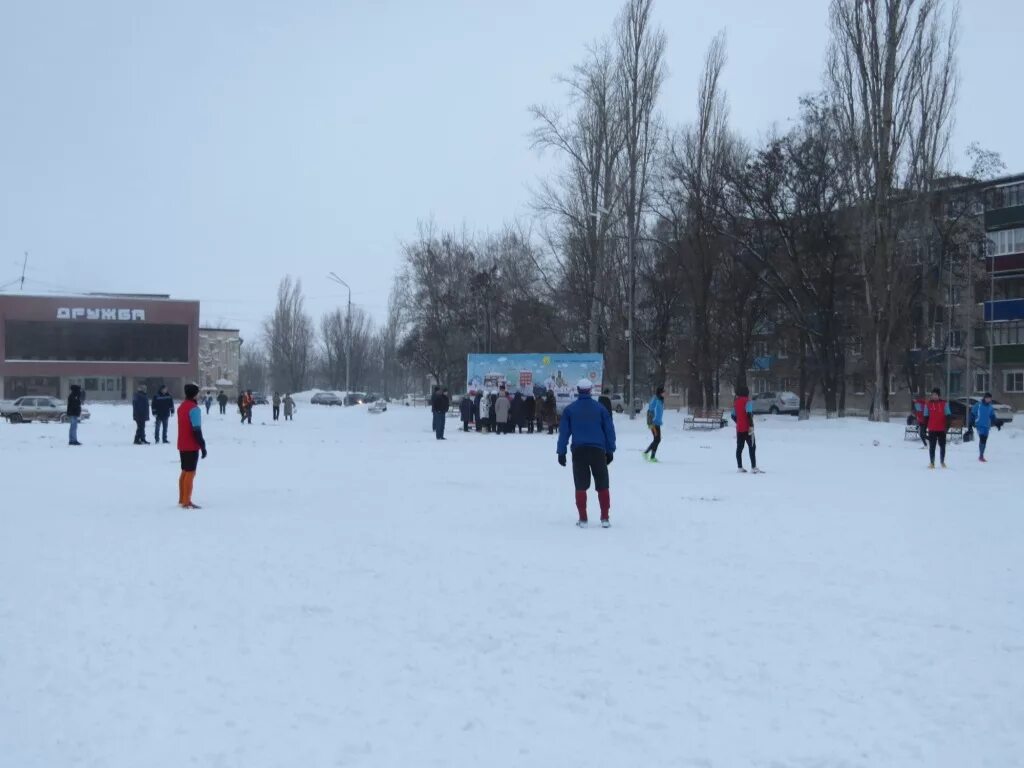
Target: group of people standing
502 413
933 421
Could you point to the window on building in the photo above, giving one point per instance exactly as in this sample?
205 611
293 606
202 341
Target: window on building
760 349
126 342
761 385
1013 381
1006 241
893 383
956 383
674 388
858 384
956 339
783 348
1004 334
857 346
982 382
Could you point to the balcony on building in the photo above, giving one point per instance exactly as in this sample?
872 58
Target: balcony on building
1005 338
1004 310
1004 205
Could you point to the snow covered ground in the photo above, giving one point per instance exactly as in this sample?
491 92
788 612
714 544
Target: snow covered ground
356 594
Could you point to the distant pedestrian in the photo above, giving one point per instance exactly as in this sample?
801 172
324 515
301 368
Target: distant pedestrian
550 411
163 407
289 407
439 406
983 417
655 417
922 425
590 427
140 412
466 412
208 402
606 402
502 410
222 401
276 402
492 416
530 412
191 445
74 413
478 398
241 405
937 414
248 401
743 415
517 413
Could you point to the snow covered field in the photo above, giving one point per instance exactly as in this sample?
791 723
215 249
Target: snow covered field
356 594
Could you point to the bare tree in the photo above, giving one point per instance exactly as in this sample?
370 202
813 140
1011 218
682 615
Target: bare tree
583 200
693 198
641 72
288 334
892 77
252 368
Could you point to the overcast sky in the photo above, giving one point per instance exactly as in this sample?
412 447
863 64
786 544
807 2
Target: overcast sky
206 148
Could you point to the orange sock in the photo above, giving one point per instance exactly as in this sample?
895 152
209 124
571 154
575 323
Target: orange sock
181 489
190 478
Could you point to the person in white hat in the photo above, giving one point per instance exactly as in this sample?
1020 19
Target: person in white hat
590 426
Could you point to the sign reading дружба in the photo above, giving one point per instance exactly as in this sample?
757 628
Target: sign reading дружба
84 313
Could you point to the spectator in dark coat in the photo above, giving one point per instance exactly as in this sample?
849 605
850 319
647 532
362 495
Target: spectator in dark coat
492 400
518 414
74 413
140 412
606 402
476 410
222 401
530 411
549 412
163 407
466 412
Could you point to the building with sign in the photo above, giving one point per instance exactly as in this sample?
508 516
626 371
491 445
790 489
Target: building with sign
106 343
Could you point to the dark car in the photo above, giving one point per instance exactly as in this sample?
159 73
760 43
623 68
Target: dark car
258 398
325 398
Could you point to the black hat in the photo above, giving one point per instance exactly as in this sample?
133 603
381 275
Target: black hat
936 391
191 390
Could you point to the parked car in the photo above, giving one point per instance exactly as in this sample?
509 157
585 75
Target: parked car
325 398
258 398
776 402
37 408
960 406
355 398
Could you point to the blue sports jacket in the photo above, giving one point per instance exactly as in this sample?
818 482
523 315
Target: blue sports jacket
588 423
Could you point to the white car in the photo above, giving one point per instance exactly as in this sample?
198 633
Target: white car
37 408
776 402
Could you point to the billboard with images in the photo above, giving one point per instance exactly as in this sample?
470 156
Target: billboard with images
535 373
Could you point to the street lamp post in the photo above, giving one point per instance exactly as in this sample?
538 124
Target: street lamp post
348 331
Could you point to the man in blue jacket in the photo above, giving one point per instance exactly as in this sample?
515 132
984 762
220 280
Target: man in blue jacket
140 412
983 417
655 416
593 448
163 407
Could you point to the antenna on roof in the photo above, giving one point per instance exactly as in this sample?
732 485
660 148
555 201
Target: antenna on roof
24 264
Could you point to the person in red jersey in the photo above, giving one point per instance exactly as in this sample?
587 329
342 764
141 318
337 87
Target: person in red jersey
191 445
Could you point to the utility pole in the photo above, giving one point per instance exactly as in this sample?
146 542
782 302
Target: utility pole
348 332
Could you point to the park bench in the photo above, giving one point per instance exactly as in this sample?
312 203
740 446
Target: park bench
705 418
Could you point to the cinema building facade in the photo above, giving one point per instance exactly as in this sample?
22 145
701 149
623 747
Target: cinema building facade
108 344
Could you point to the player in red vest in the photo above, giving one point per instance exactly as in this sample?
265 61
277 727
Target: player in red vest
190 445
743 415
936 414
922 426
